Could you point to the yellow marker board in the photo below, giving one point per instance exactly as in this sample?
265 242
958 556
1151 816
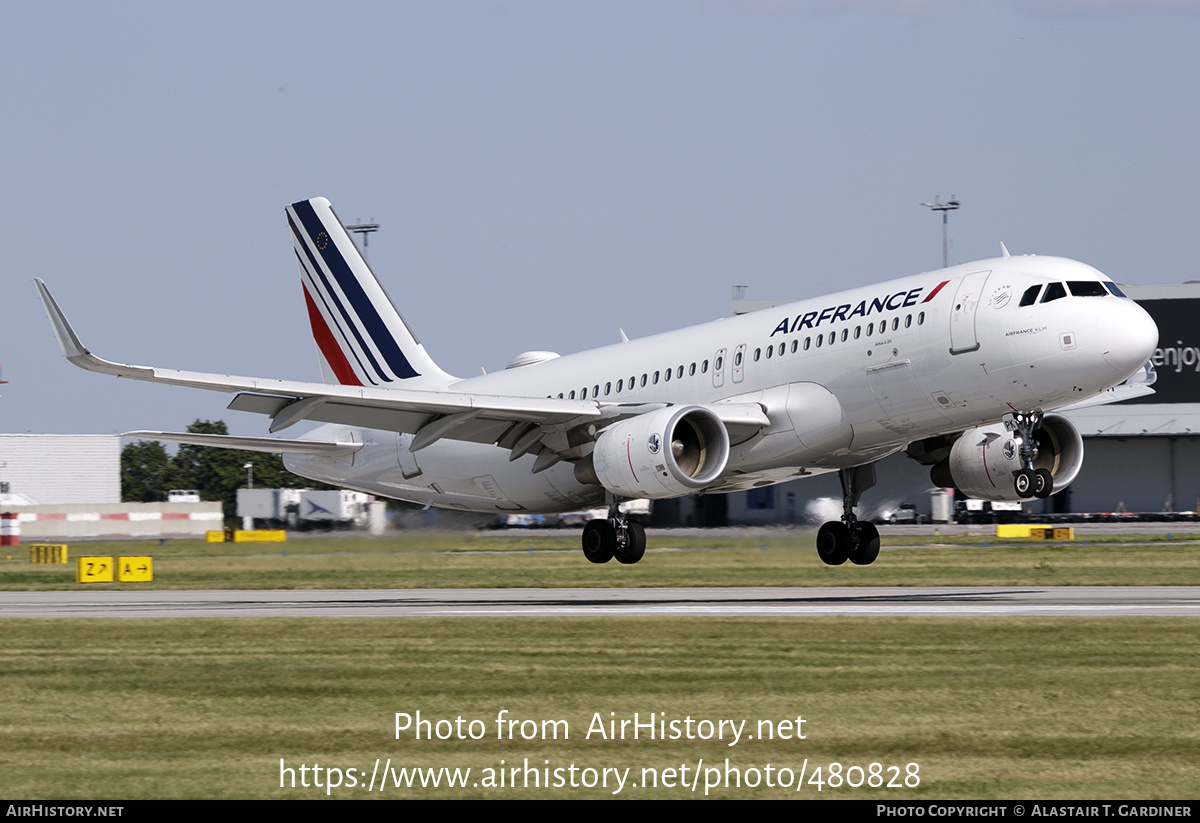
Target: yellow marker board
260 536
135 569
1047 533
1014 529
1035 531
94 570
48 553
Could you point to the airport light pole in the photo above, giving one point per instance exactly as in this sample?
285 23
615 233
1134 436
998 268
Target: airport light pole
949 206
248 520
365 229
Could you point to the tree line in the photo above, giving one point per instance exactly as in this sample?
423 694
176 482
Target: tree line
148 472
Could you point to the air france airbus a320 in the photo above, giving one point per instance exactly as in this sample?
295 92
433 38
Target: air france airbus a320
959 367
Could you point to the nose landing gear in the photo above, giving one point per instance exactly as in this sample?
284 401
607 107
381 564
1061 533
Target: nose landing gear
1027 481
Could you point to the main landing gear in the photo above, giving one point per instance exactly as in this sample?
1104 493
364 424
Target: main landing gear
1028 481
850 539
614 537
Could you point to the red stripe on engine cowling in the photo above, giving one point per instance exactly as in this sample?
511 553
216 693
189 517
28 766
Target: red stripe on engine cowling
629 457
328 344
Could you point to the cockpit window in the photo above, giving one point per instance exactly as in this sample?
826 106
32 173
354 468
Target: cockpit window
1053 292
1112 287
1030 295
1087 288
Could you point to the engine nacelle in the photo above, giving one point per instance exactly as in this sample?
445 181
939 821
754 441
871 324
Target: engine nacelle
982 462
667 453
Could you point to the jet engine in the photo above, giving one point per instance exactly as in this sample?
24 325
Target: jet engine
666 453
983 461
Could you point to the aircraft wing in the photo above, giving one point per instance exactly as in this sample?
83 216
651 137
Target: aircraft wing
288 402
523 424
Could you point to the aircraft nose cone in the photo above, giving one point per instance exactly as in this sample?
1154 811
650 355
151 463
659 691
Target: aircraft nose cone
1131 337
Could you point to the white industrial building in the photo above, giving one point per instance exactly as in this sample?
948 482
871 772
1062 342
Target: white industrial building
68 486
50 469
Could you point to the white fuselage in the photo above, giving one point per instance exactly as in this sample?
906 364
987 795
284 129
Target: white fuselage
845 379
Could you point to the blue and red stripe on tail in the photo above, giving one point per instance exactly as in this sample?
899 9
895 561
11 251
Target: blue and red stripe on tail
361 338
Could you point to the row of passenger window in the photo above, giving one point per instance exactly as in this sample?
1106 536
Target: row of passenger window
678 371
647 379
831 338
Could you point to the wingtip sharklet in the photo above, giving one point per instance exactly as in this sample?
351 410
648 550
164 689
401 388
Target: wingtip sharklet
69 342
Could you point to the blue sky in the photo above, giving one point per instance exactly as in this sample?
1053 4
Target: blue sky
546 173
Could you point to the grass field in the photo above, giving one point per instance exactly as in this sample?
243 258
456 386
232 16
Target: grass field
985 708
539 560
1016 708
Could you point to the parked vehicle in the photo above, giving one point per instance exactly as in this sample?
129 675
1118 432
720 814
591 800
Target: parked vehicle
904 513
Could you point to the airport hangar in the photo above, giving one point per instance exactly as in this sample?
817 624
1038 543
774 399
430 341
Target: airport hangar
1141 455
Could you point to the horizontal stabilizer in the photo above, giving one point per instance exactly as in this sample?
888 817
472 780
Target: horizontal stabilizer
272 445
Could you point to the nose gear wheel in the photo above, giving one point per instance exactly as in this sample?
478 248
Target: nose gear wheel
1027 481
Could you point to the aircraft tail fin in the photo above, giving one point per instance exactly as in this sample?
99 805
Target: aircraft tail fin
361 338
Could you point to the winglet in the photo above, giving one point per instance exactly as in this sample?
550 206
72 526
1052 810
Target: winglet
74 350
67 341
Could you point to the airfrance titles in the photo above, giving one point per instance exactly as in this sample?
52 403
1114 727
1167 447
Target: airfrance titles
848 311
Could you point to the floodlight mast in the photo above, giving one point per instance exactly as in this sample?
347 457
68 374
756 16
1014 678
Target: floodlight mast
949 206
365 229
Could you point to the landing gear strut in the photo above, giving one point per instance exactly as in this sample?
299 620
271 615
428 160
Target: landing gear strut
1028 481
615 536
850 539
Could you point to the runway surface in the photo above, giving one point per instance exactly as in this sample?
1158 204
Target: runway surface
997 601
